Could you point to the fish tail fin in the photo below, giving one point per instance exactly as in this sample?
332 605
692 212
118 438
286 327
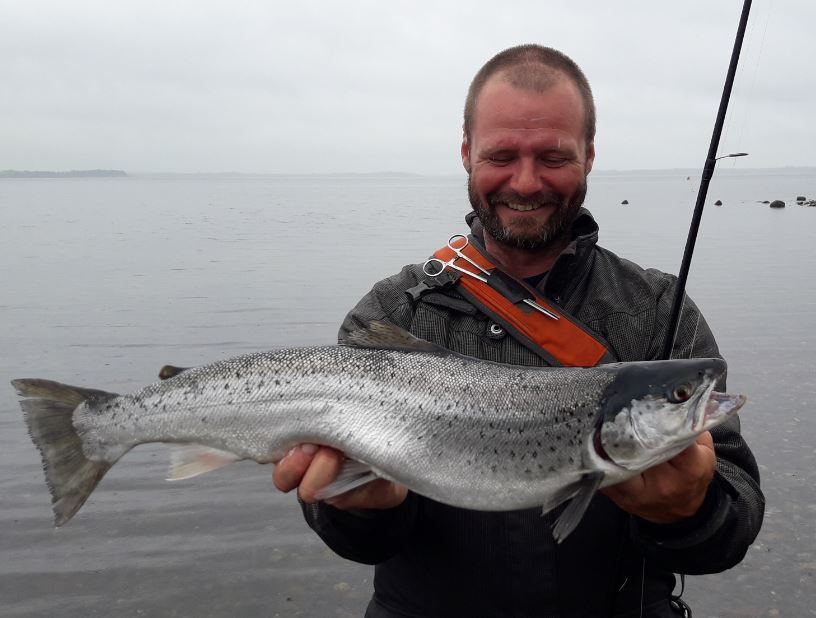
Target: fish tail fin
48 409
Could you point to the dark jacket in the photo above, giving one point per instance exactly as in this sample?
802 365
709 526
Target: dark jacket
436 560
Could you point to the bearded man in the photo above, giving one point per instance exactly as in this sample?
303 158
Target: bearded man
528 146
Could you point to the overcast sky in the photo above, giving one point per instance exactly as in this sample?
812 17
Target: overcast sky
368 86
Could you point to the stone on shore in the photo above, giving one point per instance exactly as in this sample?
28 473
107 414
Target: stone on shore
625 202
777 204
718 203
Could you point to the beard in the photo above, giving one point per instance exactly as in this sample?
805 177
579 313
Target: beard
529 234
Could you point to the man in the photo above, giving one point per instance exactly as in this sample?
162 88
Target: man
528 147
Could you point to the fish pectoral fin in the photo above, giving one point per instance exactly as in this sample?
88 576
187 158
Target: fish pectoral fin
189 460
572 515
353 474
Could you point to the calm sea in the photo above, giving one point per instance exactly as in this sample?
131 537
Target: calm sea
106 280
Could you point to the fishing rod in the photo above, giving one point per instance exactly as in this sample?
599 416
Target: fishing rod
708 172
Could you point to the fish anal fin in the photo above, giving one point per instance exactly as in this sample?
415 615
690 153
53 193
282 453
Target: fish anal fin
352 474
189 460
572 515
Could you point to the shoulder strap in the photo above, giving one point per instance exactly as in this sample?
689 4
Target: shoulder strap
560 340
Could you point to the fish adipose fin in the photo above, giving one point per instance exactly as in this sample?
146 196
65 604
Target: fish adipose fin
353 474
189 460
387 336
48 410
571 516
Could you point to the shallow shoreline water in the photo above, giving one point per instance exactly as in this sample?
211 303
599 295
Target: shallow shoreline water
109 279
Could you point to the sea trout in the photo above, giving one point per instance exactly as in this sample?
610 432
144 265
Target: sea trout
466 432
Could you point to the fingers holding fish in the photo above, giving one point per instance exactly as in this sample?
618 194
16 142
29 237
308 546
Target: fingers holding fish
289 471
322 471
322 468
671 491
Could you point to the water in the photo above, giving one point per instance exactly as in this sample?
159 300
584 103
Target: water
106 280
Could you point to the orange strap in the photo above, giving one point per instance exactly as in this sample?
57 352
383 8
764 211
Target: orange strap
565 339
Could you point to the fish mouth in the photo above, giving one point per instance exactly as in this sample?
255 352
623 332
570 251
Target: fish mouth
718 406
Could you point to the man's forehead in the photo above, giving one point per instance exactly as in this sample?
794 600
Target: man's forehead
502 105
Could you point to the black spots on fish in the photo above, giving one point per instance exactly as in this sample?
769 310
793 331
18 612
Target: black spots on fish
438 417
491 425
553 449
238 375
493 468
534 454
571 459
495 451
277 382
226 386
552 469
512 454
204 419
527 471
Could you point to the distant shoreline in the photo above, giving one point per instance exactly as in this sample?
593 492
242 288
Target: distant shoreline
71 174
597 173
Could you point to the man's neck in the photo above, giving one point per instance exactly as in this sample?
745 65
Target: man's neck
523 263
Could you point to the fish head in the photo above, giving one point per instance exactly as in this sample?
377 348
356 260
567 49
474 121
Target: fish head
653 410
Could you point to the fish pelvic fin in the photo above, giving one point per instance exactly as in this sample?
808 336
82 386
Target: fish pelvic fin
572 515
387 336
189 460
352 474
48 410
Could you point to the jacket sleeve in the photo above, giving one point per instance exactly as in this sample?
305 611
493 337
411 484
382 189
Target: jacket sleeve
371 536
719 534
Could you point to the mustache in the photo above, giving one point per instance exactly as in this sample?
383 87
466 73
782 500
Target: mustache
541 198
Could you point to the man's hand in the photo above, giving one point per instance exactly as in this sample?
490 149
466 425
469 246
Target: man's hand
310 468
671 491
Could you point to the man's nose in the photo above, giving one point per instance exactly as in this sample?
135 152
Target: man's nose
526 180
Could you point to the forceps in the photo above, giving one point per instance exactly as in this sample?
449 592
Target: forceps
452 262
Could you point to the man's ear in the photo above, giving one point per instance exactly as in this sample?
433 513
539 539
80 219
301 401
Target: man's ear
465 152
590 156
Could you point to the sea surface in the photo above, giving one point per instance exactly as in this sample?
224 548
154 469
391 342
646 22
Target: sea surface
106 280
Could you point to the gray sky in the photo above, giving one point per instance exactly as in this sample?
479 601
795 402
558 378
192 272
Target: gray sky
366 86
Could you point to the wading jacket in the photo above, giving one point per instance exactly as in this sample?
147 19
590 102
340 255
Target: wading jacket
434 560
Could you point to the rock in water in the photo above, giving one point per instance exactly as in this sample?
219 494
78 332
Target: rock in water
777 204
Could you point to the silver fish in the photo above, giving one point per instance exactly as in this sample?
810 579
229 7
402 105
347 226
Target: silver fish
459 430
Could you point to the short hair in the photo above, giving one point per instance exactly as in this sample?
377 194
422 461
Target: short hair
532 67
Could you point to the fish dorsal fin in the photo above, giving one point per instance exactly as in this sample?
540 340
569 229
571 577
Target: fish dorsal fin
386 336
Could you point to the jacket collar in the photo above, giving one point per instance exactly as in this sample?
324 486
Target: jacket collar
584 236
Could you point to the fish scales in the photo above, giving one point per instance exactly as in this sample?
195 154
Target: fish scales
467 440
460 430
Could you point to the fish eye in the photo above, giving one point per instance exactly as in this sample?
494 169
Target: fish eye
681 393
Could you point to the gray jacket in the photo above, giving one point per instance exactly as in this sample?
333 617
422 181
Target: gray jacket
436 560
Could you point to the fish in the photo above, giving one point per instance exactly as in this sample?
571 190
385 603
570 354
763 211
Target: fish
462 431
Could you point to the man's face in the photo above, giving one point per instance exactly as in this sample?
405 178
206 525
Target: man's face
527 161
